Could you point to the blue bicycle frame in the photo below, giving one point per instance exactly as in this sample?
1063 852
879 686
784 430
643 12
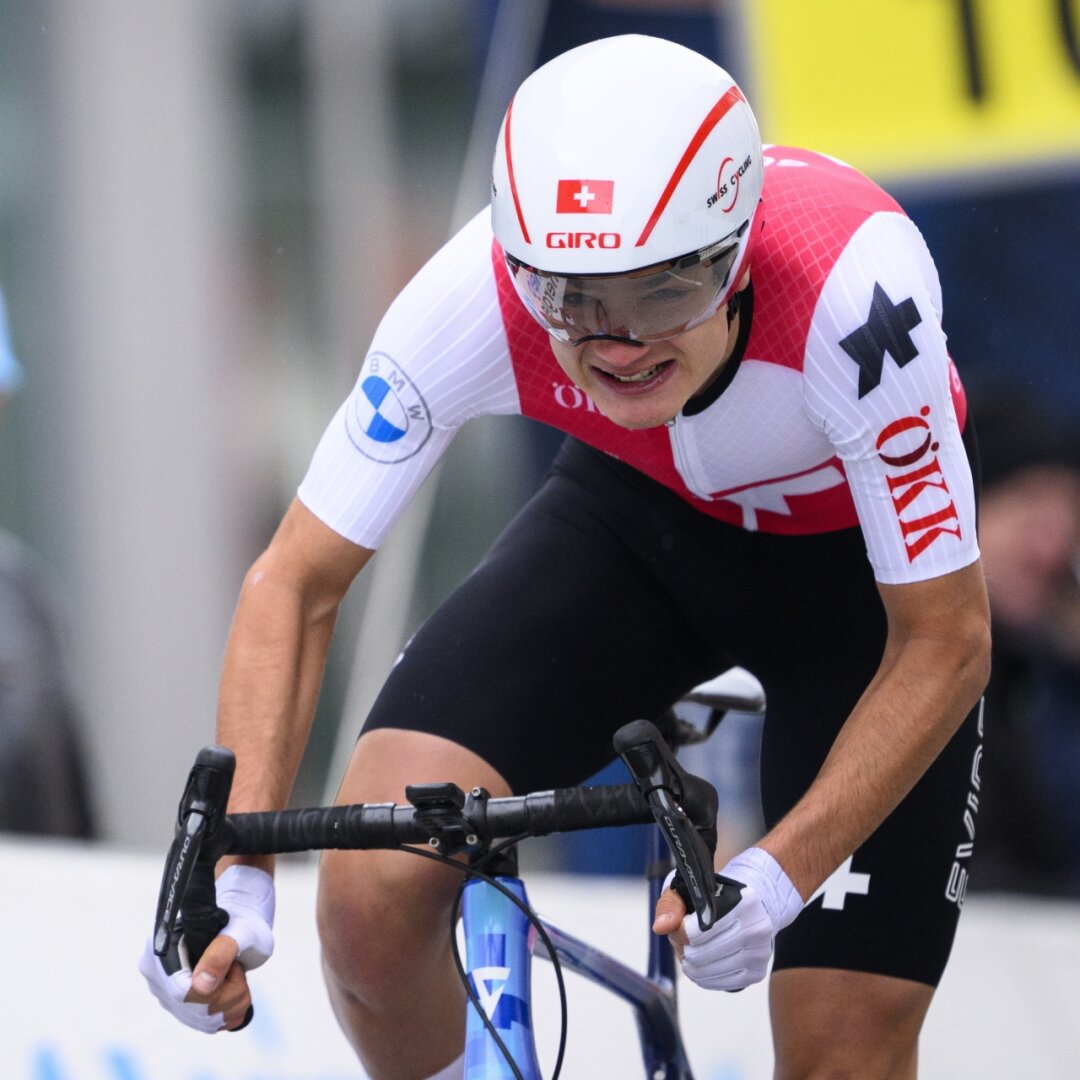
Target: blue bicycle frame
499 943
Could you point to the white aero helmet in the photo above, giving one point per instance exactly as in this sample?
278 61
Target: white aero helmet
625 190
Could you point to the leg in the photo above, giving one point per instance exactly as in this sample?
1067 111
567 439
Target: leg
855 973
384 917
516 683
832 1023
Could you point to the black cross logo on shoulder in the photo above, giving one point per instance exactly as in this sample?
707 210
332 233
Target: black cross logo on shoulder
887 330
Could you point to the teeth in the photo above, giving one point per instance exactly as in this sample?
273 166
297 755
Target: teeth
641 376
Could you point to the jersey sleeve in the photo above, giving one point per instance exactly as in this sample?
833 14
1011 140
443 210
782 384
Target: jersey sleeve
881 385
438 358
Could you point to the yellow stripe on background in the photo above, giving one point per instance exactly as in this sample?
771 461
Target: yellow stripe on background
898 88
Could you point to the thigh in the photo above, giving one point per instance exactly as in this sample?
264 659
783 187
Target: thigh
560 635
394 891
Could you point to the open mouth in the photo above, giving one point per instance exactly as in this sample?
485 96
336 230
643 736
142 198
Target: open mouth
637 377
639 380
641 376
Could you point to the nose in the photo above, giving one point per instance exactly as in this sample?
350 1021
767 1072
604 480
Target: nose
615 352
609 317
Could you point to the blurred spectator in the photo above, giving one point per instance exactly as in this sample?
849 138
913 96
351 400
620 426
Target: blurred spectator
43 786
1029 819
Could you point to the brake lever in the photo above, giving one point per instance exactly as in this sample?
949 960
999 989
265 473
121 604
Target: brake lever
187 912
684 807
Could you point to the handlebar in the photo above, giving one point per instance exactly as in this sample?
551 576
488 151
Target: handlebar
477 818
439 815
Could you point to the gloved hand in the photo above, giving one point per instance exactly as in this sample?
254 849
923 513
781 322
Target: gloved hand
217 997
734 952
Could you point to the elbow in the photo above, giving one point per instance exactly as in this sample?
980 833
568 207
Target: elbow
276 584
974 660
262 580
982 664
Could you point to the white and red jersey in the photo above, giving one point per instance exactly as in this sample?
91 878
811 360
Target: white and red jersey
845 408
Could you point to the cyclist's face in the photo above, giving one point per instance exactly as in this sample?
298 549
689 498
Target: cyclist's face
642 386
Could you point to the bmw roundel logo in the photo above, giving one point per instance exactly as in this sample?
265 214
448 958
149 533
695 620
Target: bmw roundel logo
387 418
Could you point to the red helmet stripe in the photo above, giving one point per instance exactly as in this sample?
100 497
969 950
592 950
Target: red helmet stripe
716 114
510 173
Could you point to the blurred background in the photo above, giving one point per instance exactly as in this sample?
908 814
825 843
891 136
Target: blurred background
204 208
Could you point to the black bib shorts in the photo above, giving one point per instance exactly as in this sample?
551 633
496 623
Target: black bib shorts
607 598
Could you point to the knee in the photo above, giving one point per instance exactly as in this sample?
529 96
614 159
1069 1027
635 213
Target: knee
836 1024
376 908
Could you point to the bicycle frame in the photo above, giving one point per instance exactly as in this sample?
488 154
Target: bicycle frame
499 943
499 937
498 960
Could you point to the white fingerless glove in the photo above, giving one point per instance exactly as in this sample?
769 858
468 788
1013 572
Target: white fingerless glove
247 894
734 952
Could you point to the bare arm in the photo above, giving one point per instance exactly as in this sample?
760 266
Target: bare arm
935 666
270 682
276 655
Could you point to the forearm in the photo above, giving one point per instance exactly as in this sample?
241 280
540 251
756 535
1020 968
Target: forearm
271 675
272 671
276 654
924 688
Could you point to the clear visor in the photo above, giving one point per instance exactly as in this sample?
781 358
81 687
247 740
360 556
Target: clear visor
654 303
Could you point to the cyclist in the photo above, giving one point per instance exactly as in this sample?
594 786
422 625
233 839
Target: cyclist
767 464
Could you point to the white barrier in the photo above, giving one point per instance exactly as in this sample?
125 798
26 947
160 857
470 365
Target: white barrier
73 1006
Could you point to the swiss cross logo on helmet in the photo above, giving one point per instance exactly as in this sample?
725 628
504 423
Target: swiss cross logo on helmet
584 196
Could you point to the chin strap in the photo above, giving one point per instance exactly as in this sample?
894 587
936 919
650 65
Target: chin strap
733 307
